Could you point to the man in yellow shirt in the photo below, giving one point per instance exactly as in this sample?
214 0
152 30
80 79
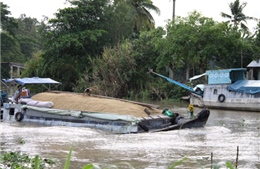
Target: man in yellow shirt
191 109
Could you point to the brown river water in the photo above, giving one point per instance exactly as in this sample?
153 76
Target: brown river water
224 132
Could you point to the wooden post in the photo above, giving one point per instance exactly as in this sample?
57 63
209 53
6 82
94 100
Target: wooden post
241 58
237 156
211 160
12 71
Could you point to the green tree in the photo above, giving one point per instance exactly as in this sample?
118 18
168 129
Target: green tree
119 25
28 36
143 19
145 52
257 39
8 24
10 47
74 37
195 41
122 69
239 21
256 44
237 17
34 67
112 72
78 34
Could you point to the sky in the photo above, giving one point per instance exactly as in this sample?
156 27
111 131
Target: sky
209 8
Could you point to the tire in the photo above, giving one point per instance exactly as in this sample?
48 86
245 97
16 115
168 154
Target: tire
18 116
221 98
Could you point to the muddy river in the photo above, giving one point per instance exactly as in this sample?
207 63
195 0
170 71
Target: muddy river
224 132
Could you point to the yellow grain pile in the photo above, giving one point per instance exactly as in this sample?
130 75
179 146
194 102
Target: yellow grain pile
74 101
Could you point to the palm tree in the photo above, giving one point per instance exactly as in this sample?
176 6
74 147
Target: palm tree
173 9
237 17
143 19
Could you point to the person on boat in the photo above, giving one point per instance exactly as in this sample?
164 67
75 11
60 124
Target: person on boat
17 94
25 93
191 109
87 91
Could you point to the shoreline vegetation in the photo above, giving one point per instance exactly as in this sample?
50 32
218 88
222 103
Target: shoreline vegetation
19 160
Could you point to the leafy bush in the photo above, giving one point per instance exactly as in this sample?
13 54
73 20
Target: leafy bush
14 160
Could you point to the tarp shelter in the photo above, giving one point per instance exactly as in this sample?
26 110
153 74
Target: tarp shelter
33 80
245 86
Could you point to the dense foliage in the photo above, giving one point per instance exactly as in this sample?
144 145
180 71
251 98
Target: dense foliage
113 44
21 160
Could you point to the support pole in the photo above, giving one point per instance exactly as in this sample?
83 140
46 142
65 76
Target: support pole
173 9
211 161
237 156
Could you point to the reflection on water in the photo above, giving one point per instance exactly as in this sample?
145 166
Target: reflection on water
222 134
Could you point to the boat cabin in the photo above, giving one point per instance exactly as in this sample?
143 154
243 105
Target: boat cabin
11 84
226 76
254 70
220 77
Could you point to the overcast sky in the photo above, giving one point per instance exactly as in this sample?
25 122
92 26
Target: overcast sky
209 8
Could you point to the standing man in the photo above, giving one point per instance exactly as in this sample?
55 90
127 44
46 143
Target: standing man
17 94
191 109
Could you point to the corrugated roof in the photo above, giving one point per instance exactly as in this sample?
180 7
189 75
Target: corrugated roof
33 80
254 64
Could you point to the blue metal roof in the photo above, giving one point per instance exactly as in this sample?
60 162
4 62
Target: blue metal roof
33 80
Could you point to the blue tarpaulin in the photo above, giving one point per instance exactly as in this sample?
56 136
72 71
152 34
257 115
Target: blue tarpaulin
177 83
245 86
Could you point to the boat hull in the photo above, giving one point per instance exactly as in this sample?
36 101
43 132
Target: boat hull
165 123
218 97
104 121
117 124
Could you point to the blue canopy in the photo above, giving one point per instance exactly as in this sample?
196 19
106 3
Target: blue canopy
33 80
247 86
46 82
